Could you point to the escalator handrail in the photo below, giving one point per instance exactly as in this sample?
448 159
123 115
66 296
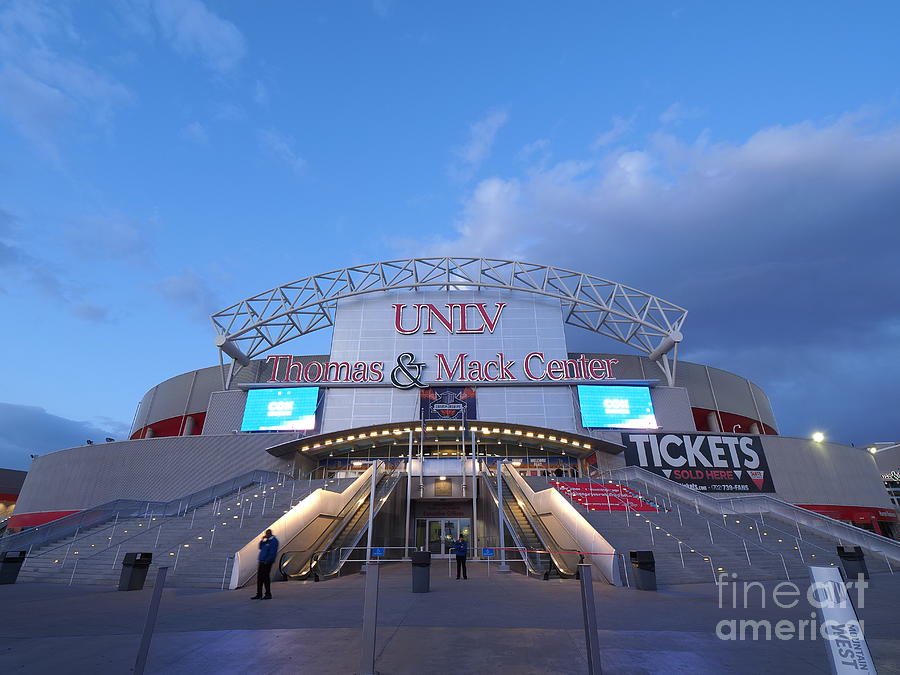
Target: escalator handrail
337 522
513 526
326 539
543 534
393 477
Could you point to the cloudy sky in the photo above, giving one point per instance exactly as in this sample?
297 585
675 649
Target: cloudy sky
160 159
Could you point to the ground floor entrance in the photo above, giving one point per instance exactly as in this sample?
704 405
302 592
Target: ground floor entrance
437 535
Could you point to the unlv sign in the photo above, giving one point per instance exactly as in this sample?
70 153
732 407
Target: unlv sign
460 318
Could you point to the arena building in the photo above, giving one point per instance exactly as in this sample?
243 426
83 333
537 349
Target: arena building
451 390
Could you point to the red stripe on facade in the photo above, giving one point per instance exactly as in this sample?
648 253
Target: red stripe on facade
39 518
173 426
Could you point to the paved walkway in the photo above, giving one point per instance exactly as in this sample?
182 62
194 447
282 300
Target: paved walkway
483 625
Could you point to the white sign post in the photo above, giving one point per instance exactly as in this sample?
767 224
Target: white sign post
846 644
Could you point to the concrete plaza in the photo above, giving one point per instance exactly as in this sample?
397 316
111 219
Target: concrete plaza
496 623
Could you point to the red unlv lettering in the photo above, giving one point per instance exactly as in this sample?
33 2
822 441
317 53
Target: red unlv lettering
463 318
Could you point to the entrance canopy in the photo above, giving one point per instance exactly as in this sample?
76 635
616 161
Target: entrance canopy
448 438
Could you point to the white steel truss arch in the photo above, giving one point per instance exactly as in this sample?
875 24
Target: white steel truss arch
255 325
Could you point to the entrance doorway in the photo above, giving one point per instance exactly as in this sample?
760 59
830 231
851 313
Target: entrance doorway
437 535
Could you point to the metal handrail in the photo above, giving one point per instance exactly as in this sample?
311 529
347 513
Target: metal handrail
385 486
544 535
816 521
73 523
749 542
326 539
532 561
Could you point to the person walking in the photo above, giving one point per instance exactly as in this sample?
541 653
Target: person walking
268 550
461 548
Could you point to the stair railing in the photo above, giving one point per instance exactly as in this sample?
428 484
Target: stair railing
749 504
76 523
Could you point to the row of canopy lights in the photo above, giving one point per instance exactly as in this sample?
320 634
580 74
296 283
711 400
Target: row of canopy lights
507 431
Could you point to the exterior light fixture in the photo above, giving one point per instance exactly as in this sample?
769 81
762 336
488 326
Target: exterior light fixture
873 449
818 436
443 477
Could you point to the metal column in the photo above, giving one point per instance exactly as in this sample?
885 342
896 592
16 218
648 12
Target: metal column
408 495
474 497
371 514
501 523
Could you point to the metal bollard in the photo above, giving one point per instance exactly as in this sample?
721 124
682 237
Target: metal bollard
141 661
370 621
590 619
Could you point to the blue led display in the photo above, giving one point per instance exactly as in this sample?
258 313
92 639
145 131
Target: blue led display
289 409
616 406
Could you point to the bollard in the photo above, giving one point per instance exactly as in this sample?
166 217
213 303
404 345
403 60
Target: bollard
370 621
141 661
590 619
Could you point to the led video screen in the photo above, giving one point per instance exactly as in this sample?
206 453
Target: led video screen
619 407
289 409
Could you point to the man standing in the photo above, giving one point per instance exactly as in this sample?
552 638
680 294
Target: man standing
268 550
461 547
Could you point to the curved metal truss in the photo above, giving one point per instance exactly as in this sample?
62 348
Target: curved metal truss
259 323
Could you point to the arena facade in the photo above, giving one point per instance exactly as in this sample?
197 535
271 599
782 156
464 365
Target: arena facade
446 367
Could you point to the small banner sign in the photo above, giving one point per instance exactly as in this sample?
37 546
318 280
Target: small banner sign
841 627
378 552
487 553
448 403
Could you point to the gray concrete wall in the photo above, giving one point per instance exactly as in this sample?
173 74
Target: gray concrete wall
886 460
153 469
806 472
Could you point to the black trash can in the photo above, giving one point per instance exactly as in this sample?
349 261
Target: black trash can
421 571
643 568
134 571
853 561
10 564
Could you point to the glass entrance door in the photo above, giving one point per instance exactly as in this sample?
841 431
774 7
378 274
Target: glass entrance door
437 535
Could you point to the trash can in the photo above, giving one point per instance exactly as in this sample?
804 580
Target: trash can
421 571
134 571
643 570
853 561
10 564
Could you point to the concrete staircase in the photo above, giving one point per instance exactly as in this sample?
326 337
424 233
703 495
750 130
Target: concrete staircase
691 547
198 546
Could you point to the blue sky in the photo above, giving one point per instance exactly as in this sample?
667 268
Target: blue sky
160 159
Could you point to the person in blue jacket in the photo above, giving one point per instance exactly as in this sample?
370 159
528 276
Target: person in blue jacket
268 550
461 548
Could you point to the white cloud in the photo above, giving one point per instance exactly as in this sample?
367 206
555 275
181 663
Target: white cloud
619 128
482 134
783 244
113 237
44 84
26 430
189 291
193 30
678 112
281 147
260 93
195 133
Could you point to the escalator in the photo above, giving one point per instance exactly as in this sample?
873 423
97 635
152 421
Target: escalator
540 551
335 545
